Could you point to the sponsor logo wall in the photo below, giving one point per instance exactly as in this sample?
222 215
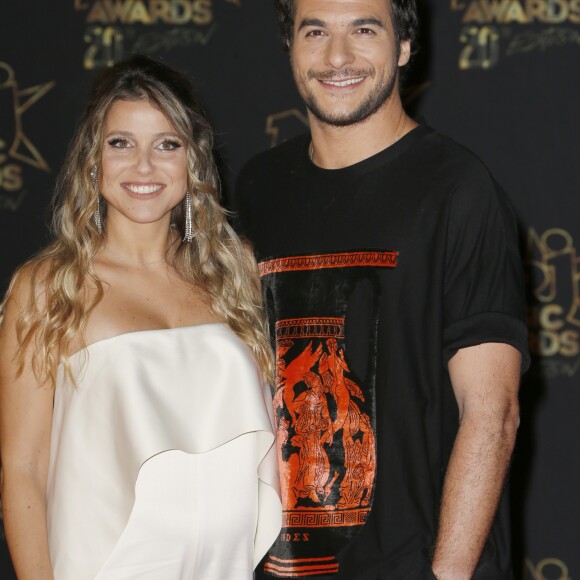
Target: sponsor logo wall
499 76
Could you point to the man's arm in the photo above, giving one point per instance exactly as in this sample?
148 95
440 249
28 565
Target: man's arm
485 380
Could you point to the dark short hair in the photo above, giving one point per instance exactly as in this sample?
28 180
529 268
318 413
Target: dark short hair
404 14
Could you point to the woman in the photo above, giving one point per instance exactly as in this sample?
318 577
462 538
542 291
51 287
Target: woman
135 432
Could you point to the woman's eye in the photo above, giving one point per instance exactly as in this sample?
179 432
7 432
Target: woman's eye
119 143
169 145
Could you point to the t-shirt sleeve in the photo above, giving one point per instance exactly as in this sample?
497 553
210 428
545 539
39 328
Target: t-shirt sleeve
483 288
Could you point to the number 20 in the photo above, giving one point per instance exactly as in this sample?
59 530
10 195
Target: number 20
481 48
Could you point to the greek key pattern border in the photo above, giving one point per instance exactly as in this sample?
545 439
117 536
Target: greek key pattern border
322 261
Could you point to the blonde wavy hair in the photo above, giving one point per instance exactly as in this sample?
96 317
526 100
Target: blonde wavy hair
216 262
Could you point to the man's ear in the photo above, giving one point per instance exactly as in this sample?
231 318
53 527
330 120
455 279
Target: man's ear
405 53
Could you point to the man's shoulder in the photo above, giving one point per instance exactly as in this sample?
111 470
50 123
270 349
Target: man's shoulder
467 184
452 154
454 168
275 161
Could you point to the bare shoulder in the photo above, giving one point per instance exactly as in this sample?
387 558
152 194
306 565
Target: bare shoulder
27 288
24 303
25 294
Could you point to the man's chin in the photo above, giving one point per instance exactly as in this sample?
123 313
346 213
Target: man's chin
339 119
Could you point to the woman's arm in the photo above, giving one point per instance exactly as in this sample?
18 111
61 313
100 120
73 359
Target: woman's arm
25 423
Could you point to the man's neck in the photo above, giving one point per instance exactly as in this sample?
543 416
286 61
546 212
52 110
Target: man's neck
337 147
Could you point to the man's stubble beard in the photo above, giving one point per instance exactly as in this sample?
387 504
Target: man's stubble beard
369 106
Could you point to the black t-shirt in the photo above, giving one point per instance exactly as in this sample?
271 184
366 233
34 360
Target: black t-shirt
374 276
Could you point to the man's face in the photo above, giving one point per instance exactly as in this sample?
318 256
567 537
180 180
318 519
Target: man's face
345 57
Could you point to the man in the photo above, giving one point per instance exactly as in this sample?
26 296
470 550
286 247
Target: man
392 282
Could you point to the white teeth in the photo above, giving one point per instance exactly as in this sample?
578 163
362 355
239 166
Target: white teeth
143 189
346 83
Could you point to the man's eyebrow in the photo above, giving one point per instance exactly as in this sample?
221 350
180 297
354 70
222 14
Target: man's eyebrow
354 24
366 22
311 22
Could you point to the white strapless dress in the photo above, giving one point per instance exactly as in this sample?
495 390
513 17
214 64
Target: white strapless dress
162 463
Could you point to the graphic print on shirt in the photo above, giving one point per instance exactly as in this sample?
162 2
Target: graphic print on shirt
324 410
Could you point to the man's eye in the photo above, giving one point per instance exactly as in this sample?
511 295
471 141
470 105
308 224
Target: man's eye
169 145
365 31
315 33
119 143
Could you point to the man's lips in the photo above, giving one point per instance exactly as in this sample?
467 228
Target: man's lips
342 83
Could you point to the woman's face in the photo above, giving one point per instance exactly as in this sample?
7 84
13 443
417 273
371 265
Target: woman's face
144 164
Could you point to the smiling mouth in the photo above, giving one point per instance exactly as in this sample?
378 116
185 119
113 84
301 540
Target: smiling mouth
143 189
345 83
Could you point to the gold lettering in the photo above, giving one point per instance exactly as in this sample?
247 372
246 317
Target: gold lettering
535 9
478 11
202 13
546 317
117 10
481 48
138 13
514 13
549 344
557 11
159 10
11 177
575 11
520 11
570 343
105 46
497 9
97 14
554 11
467 37
177 12
180 12
473 13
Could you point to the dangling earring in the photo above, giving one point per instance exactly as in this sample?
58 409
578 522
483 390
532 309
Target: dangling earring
188 211
97 214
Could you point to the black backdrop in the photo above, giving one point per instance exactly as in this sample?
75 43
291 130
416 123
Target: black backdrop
500 76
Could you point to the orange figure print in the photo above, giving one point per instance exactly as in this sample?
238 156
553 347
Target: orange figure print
325 401
326 443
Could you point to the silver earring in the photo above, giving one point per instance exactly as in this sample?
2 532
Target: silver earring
97 214
188 210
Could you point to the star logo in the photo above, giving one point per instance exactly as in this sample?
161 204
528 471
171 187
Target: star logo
16 102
